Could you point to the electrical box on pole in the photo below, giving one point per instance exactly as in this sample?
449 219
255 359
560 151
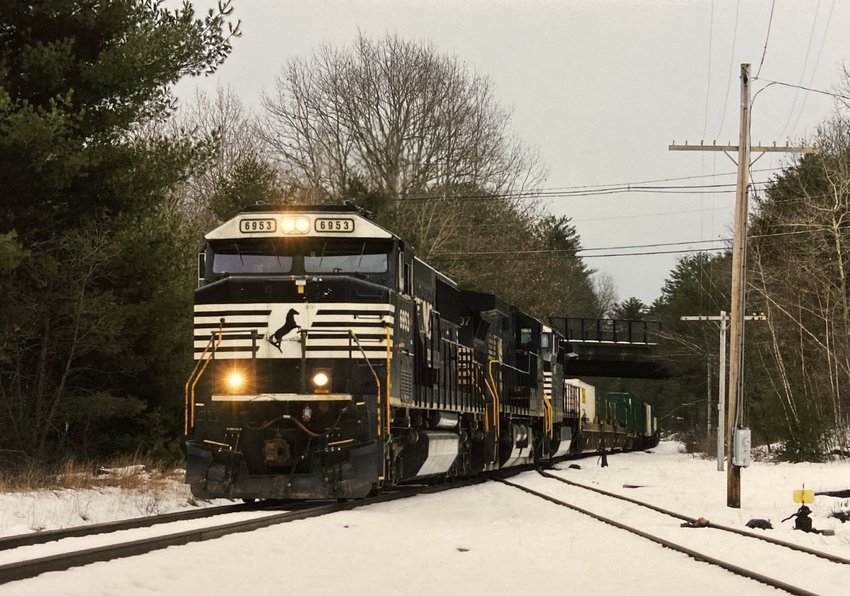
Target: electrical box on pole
741 447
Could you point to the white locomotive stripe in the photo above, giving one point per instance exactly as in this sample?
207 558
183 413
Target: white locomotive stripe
230 322
373 355
285 397
318 319
231 319
224 309
342 341
330 328
372 344
323 307
268 306
246 345
328 334
380 355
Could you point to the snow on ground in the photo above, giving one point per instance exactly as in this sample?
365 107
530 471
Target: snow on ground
36 511
487 539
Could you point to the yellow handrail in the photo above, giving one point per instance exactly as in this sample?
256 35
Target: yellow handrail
548 416
377 382
496 402
192 381
389 361
492 390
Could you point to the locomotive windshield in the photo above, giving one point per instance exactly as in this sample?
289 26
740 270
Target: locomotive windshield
300 256
253 255
335 256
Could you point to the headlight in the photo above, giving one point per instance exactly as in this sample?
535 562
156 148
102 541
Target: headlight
235 381
321 381
295 225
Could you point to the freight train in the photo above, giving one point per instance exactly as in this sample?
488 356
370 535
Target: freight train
331 362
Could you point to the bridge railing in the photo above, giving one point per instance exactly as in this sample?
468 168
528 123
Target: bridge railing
614 331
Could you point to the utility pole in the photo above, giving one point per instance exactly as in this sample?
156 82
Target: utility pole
721 384
723 321
739 253
708 398
739 248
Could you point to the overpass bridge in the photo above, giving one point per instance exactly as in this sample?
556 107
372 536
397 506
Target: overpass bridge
611 348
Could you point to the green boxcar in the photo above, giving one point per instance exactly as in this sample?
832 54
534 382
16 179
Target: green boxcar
620 404
625 409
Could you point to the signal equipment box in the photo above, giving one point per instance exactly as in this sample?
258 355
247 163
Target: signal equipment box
741 447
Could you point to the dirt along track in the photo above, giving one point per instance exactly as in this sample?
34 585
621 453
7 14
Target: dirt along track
781 565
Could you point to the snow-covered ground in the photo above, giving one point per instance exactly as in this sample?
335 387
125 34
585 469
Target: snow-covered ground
487 539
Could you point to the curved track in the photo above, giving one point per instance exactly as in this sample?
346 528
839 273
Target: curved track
819 571
75 554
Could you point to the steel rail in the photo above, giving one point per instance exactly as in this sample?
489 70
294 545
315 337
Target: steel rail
737 570
34 567
791 545
19 540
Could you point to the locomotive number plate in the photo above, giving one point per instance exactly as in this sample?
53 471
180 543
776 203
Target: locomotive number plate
251 226
324 224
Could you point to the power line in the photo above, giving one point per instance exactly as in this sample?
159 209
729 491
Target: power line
731 64
655 245
593 189
570 252
836 95
815 68
655 181
495 225
546 253
803 73
682 212
590 192
767 38
708 83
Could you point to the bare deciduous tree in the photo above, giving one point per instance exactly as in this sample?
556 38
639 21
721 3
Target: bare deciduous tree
420 139
606 292
801 264
421 133
236 172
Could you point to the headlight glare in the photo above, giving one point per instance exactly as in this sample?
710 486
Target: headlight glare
235 380
321 379
295 225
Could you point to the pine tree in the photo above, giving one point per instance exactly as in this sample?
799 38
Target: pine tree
89 235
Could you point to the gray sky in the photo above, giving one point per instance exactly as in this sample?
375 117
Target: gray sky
601 88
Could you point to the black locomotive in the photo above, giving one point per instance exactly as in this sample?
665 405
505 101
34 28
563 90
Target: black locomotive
331 362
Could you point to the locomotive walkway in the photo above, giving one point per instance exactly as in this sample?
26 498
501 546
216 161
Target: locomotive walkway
611 348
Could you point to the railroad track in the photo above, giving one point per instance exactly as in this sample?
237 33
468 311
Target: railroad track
33 538
18 563
821 569
753 535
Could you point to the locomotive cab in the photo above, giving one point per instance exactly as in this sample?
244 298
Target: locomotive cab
372 260
293 334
